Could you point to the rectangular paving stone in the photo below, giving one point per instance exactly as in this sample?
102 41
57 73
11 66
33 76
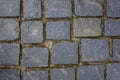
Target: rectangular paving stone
116 49
9 7
9 29
65 53
32 32
94 50
58 30
58 8
112 27
9 54
113 71
62 74
84 27
88 7
32 9
91 72
9 74
113 8
36 75
35 57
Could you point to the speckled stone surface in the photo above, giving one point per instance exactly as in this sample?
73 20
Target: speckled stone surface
88 7
112 27
113 71
32 32
9 7
113 8
36 75
87 27
9 29
91 72
58 8
35 57
58 30
94 50
9 74
32 9
116 49
63 74
65 53
9 54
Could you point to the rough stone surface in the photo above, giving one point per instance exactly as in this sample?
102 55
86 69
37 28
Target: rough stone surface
58 30
113 71
9 74
65 53
9 54
32 8
94 50
9 29
112 27
35 57
91 72
35 75
9 7
63 74
88 7
87 27
116 49
32 32
113 8
58 8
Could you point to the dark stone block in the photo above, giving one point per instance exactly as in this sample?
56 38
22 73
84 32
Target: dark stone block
63 74
116 49
32 32
9 54
58 8
9 74
35 57
94 50
58 30
91 72
65 53
113 8
88 7
112 27
35 75
113 71
9 29
32 8
9 7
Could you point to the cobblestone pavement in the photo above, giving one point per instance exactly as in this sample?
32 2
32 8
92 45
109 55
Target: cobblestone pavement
59 40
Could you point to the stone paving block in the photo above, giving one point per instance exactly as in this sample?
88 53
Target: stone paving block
113 71
58 8
113 8
9 54
9 74
58 30
9 7
112 27
35 75
91 72
94 50
88 7
32 32
62 74
87 27
65 53
35 57
32 9
116 49
9 29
